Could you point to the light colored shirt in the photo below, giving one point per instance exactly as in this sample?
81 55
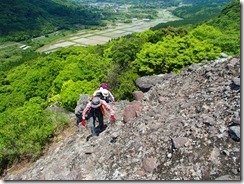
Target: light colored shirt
100 91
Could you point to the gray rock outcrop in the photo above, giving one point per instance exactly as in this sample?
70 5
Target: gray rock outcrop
145 83
188 129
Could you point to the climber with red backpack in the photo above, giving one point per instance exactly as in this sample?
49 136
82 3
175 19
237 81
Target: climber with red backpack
95 109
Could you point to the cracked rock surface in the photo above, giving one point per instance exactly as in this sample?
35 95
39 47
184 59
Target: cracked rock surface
187 128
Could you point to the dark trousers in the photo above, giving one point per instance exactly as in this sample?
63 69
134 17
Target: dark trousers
92 122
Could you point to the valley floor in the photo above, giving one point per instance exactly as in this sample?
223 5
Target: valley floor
95 37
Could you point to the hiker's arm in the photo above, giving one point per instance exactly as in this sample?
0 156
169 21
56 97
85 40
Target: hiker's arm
112 97
95 93
108 108
88 106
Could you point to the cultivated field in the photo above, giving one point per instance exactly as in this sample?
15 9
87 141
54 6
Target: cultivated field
95 37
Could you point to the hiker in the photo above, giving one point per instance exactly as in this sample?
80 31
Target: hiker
93 110
104 94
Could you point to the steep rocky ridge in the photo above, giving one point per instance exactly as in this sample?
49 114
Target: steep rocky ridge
185 127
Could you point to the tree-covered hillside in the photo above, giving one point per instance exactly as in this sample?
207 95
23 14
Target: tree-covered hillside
27 89
22 19
206 2
224 17
229 23
195 13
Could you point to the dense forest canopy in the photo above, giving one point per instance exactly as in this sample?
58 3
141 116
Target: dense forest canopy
196 12
22 19
32 82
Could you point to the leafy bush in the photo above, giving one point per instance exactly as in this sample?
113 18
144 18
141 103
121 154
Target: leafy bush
70 92
172 54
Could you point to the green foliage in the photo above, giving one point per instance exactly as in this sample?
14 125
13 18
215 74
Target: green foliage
25 131
224 18
194 14
10 56
229 43
81 66
126 85
125 52
122 53
172 31
200 11
206 32
229 23
206 2
173 54
70 92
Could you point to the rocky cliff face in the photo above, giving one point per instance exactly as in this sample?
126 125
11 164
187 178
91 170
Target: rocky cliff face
185 127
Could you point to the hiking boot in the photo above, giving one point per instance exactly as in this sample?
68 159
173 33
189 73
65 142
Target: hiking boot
101 128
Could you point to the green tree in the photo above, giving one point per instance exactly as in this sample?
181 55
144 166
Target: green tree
126 85
173 54
70 92
206 32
